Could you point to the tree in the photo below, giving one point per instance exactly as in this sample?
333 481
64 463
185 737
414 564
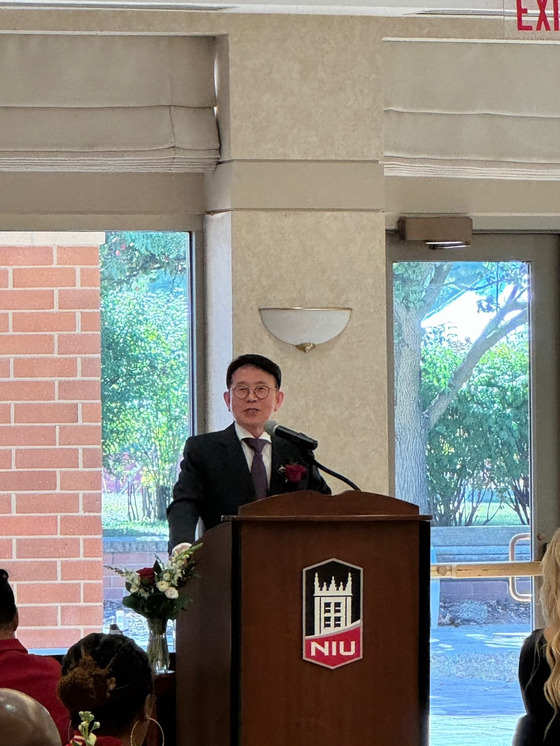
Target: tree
420 290
145 397
478 452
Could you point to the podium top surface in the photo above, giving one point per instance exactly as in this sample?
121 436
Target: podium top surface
310 505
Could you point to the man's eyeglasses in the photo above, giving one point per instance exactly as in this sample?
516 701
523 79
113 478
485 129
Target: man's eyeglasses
261 391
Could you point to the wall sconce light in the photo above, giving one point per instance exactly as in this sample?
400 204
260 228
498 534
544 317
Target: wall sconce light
438 231
305 328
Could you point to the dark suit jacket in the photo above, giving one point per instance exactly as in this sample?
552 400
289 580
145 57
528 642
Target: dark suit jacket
214 480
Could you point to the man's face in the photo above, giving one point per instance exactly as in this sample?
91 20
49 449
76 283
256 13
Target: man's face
251 413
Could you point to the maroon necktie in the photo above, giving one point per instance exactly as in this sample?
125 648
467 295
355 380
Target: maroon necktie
258 469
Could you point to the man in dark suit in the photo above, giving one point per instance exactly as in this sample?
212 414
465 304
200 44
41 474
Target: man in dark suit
221 471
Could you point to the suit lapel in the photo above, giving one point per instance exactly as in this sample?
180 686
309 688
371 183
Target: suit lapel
280 457
235 463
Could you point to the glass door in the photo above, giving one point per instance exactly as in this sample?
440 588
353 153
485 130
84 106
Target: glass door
475 335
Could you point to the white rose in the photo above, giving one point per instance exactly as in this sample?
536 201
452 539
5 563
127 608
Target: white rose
172 592
181 548
162 586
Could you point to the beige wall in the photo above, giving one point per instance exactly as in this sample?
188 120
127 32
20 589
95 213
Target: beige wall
297 210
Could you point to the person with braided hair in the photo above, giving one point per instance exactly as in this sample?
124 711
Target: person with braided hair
107 686
539 662
34 675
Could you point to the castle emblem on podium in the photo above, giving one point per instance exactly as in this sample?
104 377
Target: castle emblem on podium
332 613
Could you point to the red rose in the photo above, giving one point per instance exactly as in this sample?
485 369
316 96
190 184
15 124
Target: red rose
295 472
147 575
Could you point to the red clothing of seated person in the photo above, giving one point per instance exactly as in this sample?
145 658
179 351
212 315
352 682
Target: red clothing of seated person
34 675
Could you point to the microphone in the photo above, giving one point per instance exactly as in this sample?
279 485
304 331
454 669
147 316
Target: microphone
273 428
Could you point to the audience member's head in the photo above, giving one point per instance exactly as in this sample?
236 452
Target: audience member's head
109 676
8 610
25 722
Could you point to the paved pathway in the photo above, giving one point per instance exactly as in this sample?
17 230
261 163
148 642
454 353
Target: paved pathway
476 711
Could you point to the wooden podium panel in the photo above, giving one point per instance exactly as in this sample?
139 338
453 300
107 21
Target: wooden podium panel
241 676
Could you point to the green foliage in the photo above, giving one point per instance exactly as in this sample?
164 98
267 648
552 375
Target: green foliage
478 452
145 343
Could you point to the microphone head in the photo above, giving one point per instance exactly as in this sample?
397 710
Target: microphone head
270 426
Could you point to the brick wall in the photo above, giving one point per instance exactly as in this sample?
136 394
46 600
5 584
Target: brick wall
50 433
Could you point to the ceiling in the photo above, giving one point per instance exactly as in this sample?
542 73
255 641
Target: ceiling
486 8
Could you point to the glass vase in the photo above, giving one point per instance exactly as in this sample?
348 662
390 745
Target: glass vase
158 651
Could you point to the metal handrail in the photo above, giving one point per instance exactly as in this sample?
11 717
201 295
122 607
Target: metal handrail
485 570
512 580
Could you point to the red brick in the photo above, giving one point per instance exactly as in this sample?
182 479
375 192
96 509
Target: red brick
79 435
26 391
26 344
21 256
38 616
25 480
4 322
45 321
78 390
78 299
90 321
4 278
89 277
91 412
80 525
6 413
55 503
6 458
92 593
6 549
32 571
5 504
40 638
4 368
50 548
90 367
47 458
48 413
22 300
72 255
45 367
81 569
92 503
25 525
92 458
93 548
33 593
28 435
80 480
90 614
81 343
42 277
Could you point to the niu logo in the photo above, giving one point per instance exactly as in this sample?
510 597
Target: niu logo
332 613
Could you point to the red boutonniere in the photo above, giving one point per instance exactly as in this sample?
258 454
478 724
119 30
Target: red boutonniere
293 472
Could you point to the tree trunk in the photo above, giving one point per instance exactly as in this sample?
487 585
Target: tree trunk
410 422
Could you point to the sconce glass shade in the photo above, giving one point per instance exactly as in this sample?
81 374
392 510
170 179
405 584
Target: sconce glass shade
305 328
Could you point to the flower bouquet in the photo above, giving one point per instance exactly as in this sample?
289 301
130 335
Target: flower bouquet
154 594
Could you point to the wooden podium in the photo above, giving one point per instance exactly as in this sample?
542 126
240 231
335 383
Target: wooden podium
309 627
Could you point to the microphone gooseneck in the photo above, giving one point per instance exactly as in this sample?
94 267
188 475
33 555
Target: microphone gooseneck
307 444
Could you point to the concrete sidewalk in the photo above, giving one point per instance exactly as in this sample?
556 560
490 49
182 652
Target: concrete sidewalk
476 711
